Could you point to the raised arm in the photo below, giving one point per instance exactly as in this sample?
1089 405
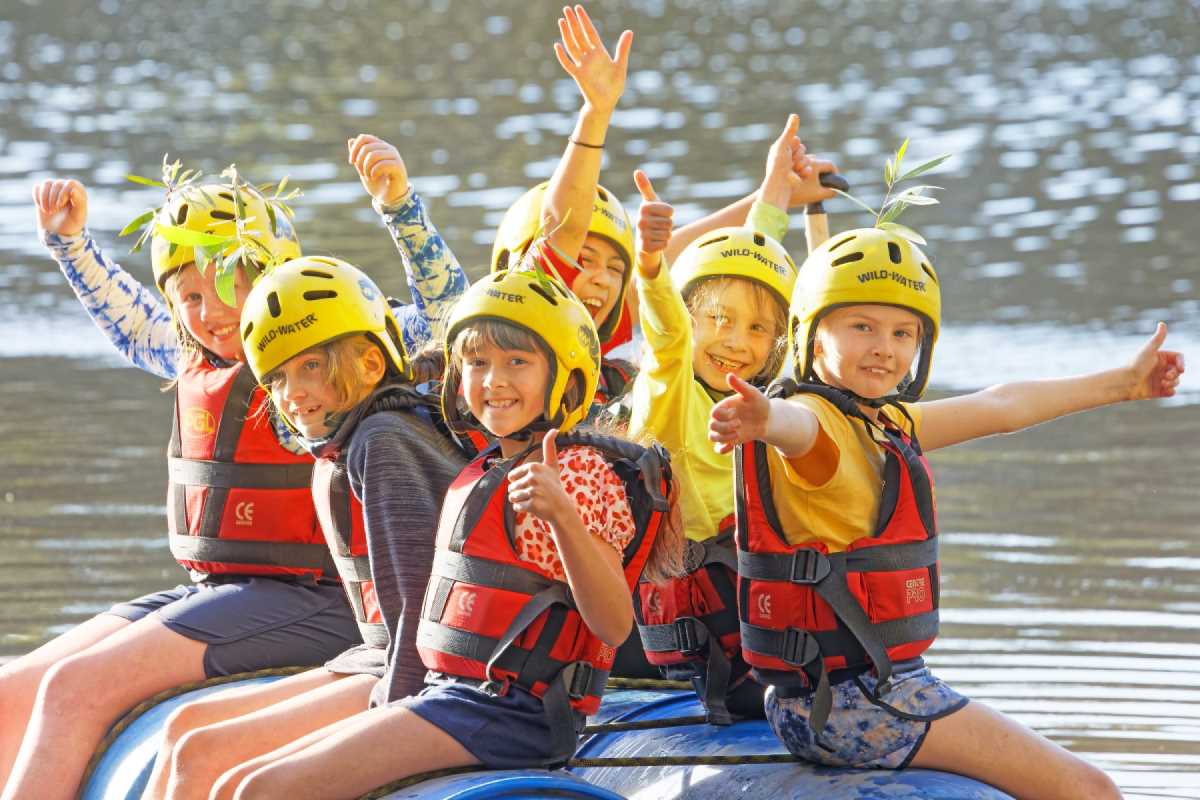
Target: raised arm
567 210
792 179
1011 407
133 317
434 275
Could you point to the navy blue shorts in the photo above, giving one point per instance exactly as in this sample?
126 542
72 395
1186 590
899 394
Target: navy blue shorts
507 731
253 623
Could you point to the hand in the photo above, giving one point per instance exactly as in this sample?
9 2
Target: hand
654 227
1155 371
600 77
804 182
61 206
379 167
741 417
537 489
787 155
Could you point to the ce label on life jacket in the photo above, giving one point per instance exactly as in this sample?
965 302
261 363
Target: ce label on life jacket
243 513
764 605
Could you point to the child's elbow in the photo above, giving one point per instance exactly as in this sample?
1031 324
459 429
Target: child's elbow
620 630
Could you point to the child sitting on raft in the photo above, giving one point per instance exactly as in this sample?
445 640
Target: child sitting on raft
721 307
235 618
518 633
211 736
836 529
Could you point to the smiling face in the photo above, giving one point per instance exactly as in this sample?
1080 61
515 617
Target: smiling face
315 389
599 281
735 328
867 349
504 385
205 316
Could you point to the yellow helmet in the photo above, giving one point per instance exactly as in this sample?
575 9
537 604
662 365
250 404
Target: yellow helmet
736 253
545 308
523 220
209 209
311 301
865 266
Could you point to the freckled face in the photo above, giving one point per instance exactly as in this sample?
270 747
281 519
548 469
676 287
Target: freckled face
867 349
205 316
731 335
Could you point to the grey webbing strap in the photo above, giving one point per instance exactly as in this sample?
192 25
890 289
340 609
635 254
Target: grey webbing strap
228 475
485 572
806 565
375 634
686 635
556 593
717 553
234 551
352 568
477 647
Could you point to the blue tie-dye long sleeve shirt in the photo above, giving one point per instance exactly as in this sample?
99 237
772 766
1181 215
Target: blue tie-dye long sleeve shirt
138 324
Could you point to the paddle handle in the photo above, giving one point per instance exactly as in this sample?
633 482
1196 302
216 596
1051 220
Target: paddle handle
816 221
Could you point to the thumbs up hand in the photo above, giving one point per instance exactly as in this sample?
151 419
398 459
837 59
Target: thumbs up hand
536 488
654 227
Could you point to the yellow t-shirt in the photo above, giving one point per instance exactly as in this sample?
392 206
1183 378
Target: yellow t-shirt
832 493
672 408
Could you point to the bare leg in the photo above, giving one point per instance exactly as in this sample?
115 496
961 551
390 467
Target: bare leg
204 754
83 694
982 743
19 680
359 755
223 706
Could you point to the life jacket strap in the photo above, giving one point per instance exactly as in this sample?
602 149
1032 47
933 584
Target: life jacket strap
229 475
235 551
455 566
353 568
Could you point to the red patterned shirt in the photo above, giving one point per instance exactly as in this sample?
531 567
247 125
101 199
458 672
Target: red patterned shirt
600 500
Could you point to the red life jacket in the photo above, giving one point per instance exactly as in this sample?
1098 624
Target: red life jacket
805 611
238 502
690 624
492 618
341 512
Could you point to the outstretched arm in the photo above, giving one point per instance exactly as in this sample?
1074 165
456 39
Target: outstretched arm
133 317
434 275
1011 407
567 210
747 415
792 179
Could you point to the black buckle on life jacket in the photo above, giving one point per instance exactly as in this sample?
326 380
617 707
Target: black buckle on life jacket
577 677
809 566
690 635
799 647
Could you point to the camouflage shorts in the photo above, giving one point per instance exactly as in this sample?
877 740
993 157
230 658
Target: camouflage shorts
865 731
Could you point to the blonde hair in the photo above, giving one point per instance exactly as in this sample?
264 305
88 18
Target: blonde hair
705 295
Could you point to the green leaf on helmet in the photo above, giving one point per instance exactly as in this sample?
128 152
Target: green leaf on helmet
889 172
926 167
137 222
271 217
189 238
890 213
900 156
146 181
901 230
282 185
226 283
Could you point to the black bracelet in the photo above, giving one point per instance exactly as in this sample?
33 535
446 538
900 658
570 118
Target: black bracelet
585 144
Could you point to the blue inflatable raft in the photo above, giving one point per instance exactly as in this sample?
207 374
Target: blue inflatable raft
124 768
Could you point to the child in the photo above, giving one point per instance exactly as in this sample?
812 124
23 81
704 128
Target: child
247 610
203 739
837 547
721 307
535 563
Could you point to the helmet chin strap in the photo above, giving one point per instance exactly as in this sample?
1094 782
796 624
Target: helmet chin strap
870 402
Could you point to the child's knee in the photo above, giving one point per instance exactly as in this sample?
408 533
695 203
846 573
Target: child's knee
182 721
72 685
1095 783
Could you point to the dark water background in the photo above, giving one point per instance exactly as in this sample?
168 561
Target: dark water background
1072 569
